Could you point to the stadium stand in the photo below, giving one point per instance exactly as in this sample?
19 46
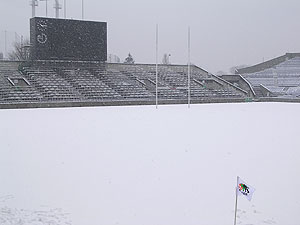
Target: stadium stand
14 87
69 69
277 77
61 81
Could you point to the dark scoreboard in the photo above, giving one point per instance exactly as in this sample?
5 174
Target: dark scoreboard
61 39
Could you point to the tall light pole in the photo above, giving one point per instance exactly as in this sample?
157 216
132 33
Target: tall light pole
33 4
57 7
82 9
46 6
65 9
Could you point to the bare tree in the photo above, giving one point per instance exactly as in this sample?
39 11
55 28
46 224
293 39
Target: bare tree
21 51
113 58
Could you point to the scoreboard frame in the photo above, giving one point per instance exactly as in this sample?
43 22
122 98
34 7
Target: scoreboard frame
64 39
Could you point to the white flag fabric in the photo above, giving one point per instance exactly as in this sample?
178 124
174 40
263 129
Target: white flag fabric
244 189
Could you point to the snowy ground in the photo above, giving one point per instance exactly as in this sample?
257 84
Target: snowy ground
141 166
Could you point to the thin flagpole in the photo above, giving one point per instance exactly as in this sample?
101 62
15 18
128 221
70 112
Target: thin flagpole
189 67
236 200
156 88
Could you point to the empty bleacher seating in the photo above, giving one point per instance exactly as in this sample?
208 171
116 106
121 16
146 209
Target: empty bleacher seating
88 85
51 85
10 92
57 82
284 74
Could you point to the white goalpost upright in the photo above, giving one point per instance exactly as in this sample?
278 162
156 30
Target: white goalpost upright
189 67
156 73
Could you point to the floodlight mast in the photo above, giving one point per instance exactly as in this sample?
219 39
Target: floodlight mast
46 6
57 7
65 9
33 4
82 9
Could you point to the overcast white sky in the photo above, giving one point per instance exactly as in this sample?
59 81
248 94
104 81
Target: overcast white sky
224 33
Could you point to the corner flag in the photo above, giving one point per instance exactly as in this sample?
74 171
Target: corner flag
245 189
242 189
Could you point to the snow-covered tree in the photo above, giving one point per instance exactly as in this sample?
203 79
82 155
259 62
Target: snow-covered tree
129 59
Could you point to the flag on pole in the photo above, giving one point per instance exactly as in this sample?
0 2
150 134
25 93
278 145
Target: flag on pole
244 189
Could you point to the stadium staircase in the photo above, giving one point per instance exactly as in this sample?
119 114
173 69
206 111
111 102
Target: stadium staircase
51 85
127 86
10 92
89 86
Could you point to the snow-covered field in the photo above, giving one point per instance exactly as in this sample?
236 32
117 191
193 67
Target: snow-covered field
142 166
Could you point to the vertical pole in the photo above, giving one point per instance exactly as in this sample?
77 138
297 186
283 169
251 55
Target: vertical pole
22 48
57 9
5 40
236 200
46 8
33 8
82 8
189 67
156 88
65 8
